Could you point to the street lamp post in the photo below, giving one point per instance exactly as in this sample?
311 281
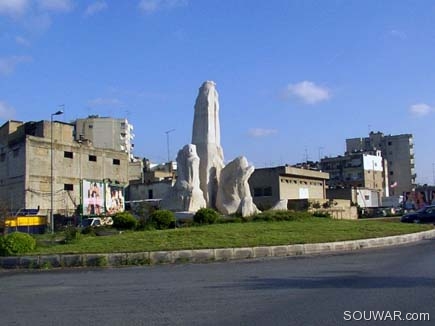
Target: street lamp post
167 142
51 170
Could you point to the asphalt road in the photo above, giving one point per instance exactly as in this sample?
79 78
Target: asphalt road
316 290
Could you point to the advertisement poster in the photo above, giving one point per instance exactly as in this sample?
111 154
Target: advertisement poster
93 197
114 201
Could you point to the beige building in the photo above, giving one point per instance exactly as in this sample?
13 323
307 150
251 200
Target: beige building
25 166
269 186
397 150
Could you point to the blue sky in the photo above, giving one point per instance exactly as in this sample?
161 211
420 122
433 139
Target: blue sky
295 78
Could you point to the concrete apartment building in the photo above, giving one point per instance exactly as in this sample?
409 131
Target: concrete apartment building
271 185
356 170
398 152
25 166
105 132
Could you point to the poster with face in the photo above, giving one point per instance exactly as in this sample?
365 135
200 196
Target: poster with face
114 198
92 197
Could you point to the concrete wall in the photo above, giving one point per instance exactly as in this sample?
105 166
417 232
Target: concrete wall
261 180
141 191
12 176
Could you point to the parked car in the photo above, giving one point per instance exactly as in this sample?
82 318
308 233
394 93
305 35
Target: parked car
423 215
96 221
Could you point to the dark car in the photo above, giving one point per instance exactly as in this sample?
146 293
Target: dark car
423 215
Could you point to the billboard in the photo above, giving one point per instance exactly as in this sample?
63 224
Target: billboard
114 198
92 197
101 198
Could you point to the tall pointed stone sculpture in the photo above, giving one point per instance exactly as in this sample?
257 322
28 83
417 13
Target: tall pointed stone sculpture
186 194
206 136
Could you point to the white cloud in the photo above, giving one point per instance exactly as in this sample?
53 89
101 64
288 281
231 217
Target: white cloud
154 5
114 102
95 7
421 109
398 34
261 132
8 64
56 5
7 112
308 92
22 41
13 7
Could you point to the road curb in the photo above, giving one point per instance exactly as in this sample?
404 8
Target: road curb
205 255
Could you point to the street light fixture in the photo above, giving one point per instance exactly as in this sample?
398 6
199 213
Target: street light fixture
51 169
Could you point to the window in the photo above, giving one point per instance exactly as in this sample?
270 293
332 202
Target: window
68 154
116 161
92 158
2 157
150 194
91 126
68 186
268 191
258 192
391 172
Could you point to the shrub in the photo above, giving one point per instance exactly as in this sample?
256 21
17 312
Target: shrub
206 216
71 234
284 215
124 221
162 219
16 243
88 230
321 214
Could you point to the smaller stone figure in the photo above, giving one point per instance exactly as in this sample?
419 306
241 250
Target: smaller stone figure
234 195
186 194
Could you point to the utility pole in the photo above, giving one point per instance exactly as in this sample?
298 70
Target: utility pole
52 168
167 132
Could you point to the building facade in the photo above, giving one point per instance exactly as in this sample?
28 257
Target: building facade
356 170
398 152
105 132
269 186
26 169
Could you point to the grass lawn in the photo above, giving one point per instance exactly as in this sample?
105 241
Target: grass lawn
310 230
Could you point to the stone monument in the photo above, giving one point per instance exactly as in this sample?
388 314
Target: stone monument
234 195
203 179
186 195
207 138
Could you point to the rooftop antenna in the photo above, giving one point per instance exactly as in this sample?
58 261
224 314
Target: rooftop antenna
320 153
306 154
